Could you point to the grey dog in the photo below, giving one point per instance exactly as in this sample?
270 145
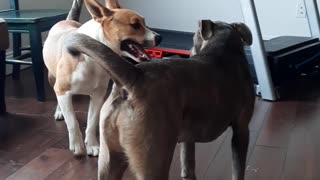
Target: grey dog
155 105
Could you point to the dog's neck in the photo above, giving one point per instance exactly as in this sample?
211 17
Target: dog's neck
222 46
94 30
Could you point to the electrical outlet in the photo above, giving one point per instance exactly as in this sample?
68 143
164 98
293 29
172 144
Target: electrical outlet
301 10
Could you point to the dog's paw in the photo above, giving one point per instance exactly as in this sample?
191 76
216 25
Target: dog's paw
92 150
187 174
189 178
76 144
92 146
58 116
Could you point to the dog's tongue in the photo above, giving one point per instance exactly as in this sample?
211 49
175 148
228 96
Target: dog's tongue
142 54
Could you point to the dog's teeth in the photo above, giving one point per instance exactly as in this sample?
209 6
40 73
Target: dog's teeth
131 47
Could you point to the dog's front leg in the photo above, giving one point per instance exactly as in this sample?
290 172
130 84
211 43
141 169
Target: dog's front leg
58 113
187 158
240 142
96 101
75 137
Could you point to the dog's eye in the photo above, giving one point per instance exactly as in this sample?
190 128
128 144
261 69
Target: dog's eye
136 26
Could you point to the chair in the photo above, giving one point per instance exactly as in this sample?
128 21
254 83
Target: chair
4 44
33 22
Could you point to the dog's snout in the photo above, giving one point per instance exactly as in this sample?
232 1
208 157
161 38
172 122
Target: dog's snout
157 39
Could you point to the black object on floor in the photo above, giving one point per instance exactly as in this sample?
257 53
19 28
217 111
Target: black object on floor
175 39
288 57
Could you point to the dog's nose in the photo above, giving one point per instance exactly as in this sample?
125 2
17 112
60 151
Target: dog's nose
157 39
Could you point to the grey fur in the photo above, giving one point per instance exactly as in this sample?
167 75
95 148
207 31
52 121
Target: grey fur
172 101
75 11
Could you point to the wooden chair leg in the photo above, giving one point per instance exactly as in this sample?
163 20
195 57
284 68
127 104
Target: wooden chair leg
37 61
2 82
16 52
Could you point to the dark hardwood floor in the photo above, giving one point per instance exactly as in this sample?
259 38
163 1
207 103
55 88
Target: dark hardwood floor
284 142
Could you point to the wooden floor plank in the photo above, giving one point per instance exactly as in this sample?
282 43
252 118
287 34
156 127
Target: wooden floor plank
221 166
261 111
42 166
8 168
33 145
277 128
301 162
84 168
303 158
206 153
266 163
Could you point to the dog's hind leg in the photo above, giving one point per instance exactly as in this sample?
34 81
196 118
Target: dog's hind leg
150 164
149 148
240 142
187 159
58 114
111 161
75 137
111 164
96 101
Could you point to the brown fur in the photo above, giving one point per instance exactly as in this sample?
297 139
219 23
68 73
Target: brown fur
155 105
69 75
61 66
118 27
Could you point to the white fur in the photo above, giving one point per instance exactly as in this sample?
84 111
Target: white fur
150 36
75 136
95 30
58 113
88 78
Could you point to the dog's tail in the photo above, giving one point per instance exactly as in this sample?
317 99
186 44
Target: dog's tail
75 11
123 73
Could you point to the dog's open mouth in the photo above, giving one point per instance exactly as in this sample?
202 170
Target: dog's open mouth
135 49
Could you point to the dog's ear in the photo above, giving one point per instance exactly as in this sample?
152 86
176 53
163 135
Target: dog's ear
113 4
244 31
206 29
97 10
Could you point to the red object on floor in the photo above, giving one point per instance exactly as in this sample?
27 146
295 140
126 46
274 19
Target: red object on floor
155 53
159 52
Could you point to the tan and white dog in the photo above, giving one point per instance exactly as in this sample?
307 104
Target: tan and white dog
122 30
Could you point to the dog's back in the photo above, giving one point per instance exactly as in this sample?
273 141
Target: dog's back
52 48
207 95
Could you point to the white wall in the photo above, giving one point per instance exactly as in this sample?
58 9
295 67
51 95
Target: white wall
184 14
277 17
51 4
